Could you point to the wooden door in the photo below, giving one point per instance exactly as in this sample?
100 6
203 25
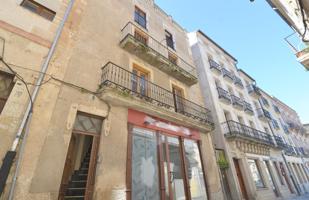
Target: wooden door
92 167
178 95
240 179
68 167
283 172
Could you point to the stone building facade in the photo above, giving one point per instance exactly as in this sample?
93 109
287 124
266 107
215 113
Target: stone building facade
119 114
260 161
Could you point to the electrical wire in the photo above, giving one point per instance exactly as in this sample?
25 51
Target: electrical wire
21 79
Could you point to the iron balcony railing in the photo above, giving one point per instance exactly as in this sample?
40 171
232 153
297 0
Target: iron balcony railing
280 143
237 81
237 101
214 65
275 124
236 129
227 73
137 33
248 107
223 94
289 150
253 89
132 84
262 113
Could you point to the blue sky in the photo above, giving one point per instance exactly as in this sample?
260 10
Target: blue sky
254 34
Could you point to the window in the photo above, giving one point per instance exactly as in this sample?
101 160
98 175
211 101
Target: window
140 17
140 80
252 125
139 36
173 58
169 39
256 175
6 86
265 102
38 9
178 94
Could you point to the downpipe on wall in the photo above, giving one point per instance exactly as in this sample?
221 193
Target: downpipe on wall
24 126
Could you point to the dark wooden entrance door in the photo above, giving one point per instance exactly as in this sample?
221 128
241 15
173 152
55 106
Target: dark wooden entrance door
240 179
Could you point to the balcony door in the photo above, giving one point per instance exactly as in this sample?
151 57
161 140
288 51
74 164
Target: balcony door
178 95
140 80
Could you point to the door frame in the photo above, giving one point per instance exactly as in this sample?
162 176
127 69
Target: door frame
240 178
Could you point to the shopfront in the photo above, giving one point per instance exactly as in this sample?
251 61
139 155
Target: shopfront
164 160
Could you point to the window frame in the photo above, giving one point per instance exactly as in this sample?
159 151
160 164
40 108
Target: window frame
169 39
258 171
138 16
40 9
10 88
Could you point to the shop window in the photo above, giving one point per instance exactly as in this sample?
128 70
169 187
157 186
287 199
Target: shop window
195 170
38 9
145 172
6 86
140 17
278 173
155 155
256 175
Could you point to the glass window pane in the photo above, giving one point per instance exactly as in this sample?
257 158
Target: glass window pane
145 176
255 173
87 124
269 175
194 170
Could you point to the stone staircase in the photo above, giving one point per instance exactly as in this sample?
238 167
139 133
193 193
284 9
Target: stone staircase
77 184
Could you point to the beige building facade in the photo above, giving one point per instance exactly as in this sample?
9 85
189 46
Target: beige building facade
260 162
119 114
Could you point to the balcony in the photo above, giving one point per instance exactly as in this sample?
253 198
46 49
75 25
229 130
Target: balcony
280 143
238 82
227 75
303 57
300 48
133 86
254 91
234 129
289 150
263 114
237 102
275 124
138 42
215 67
248 108
224 96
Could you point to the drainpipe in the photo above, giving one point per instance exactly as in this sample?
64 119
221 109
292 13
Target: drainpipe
291 175
28 114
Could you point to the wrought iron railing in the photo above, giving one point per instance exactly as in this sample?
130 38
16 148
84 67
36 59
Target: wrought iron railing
130 30
223 94
253 89
248 107
214 65
279 141
237 81
236 129
262 113
237 101
132 84
227 73
275 124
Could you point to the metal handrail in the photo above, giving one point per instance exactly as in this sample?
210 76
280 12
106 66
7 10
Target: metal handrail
157 46
134 84
233 128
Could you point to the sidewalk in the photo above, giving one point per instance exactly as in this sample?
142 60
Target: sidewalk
303 197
